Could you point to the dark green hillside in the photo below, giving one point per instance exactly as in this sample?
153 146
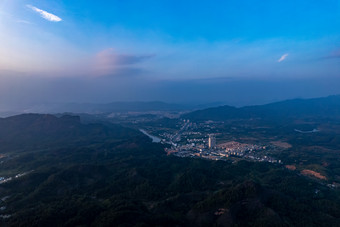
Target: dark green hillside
113 176
41 131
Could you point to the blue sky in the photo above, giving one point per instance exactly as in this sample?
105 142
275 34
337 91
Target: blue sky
144 50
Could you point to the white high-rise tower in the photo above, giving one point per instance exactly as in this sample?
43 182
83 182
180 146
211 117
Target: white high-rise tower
211 142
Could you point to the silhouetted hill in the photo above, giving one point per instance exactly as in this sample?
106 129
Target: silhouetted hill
328 107
45 130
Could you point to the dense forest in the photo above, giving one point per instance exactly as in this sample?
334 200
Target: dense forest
75 174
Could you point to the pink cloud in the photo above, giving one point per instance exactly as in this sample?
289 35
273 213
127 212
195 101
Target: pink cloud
109 61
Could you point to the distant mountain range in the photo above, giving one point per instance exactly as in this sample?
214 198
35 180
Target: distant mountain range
104 108
316 107
327 107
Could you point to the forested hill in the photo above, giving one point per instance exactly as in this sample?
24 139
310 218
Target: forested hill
60 172
328 107
41 130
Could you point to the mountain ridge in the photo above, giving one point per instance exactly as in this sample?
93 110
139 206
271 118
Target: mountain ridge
316 107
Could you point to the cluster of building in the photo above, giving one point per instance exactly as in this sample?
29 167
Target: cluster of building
188 142
209 149
4 179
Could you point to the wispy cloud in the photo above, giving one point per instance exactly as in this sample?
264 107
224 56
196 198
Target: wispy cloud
109 61
46 15
110 57
23 22
282 58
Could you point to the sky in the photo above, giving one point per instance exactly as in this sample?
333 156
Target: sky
236 52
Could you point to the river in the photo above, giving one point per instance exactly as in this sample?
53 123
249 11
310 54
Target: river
154 138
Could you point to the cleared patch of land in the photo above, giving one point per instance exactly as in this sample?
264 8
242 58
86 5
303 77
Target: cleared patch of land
308 172
290 167
281 144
